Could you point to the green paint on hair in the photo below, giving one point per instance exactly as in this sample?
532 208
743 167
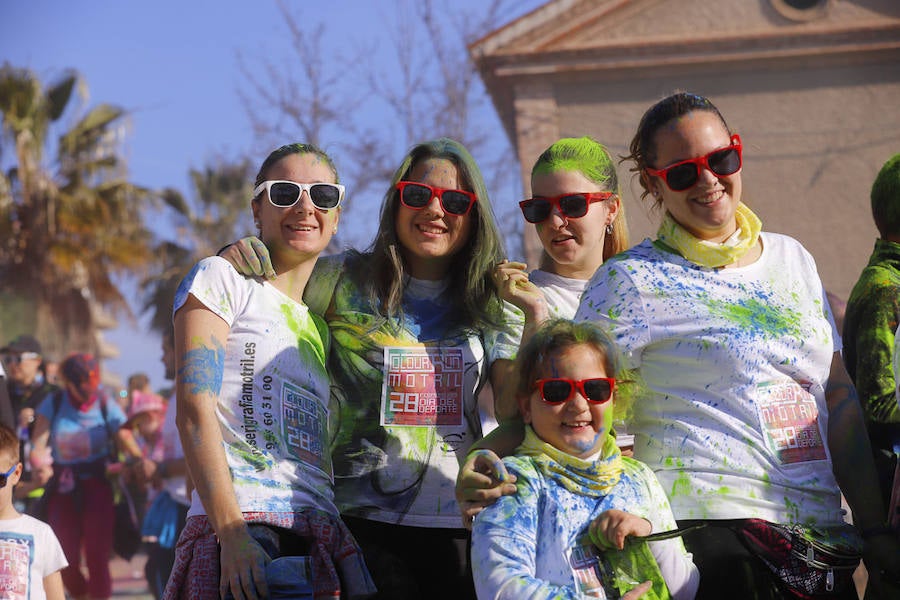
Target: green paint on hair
584 155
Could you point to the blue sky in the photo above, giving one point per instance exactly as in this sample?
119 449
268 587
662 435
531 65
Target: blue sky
172 64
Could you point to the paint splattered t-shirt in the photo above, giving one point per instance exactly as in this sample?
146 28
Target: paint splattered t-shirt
30 552
273 404
404 396
533 544
734 362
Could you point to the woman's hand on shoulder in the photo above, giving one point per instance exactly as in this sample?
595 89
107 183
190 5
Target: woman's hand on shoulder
610 529
481 481
250 257
514 287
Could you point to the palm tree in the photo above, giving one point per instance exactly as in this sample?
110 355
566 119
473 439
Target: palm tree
218 215
67 233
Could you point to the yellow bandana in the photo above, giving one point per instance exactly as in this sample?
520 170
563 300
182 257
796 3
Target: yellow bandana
712 254
591 478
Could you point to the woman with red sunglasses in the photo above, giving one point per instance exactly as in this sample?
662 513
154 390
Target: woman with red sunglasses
748 411
580 221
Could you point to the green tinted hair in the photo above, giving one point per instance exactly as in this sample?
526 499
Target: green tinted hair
288 149
557 335
589 157
643 144
471 287
885 198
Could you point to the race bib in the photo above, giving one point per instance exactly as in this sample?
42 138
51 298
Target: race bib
423 387
587 570
305 427
789 421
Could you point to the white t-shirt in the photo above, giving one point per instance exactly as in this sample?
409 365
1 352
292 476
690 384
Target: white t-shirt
30 552
273 404
562 293
404 396
734 362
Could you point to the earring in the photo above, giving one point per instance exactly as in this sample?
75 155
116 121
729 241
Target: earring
609 229
333 231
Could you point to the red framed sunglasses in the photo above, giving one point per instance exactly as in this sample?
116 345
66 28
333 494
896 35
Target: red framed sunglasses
572 206
417 195
684 174
559 390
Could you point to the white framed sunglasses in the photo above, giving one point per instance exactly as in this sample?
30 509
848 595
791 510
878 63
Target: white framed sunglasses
285 194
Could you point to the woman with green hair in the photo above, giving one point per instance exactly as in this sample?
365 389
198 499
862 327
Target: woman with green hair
416 328
580 221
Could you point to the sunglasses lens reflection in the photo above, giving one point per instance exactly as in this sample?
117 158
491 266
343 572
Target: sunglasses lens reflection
455 202
284 193
725 162
682 177
597 390
536 210
574 206
416 196
325 196
556 392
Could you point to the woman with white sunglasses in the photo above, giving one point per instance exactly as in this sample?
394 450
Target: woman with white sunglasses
252 407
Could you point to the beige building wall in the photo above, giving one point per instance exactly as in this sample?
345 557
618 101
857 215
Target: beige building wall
816 101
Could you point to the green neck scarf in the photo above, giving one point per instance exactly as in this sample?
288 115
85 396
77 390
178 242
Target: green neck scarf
712 254
590 478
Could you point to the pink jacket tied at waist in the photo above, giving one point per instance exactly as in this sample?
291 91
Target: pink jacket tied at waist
335 557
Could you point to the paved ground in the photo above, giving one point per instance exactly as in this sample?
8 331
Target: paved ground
128 578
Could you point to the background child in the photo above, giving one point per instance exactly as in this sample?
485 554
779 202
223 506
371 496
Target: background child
25 542
574 487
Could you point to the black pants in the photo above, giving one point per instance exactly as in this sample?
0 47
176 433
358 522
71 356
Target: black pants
411 563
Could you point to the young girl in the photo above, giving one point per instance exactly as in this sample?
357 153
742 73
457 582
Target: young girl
575 490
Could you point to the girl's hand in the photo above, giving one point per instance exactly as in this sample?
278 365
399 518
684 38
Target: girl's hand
610 529
482 479
250 257
514 287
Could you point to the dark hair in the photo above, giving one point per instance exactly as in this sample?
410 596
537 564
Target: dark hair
643 147
289 149
885 198
471 289
9 442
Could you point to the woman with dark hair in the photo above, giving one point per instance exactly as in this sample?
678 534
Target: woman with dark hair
416 325
747 411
